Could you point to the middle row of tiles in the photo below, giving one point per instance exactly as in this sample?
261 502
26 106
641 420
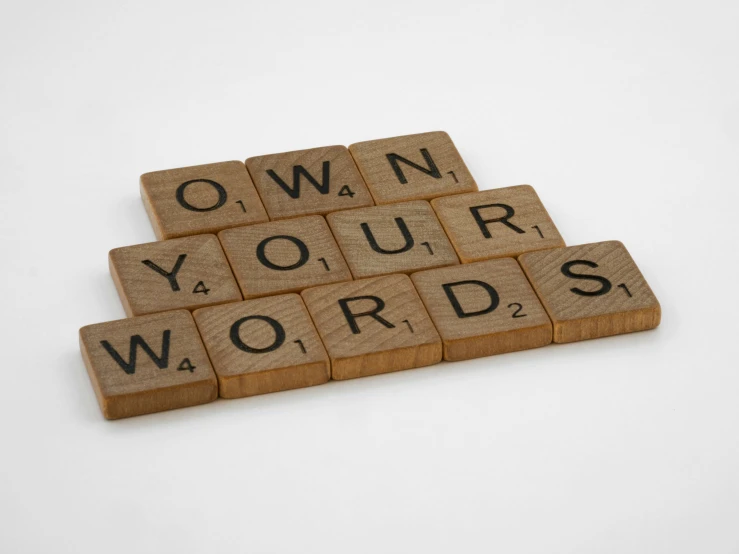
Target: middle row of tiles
292 255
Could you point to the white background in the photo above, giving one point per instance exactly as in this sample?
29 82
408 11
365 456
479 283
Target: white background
623 115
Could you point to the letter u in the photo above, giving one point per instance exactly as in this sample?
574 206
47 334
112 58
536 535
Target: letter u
409 242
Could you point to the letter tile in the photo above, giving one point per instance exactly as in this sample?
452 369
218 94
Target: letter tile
398 238
497 223
200 199
592 290
147 364
483 308
284 256
412 167
308 182
190 272
263 345
373 326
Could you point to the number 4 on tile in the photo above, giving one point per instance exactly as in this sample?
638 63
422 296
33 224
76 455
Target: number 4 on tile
200 288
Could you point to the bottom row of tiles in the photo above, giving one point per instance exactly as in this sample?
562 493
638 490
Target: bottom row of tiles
359 328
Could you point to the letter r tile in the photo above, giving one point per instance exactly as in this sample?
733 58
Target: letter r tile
308 182
483 308
373 326
497 223
147 364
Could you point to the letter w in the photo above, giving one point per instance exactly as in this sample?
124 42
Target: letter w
130 366
298 170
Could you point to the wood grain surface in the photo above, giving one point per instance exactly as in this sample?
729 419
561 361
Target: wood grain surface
263 345
189 272
593 290
497 223
307 182
483 308
284 256
373 326
412 167
397 238
200 199
128 380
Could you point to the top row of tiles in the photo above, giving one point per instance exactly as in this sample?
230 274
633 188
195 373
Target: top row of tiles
212 197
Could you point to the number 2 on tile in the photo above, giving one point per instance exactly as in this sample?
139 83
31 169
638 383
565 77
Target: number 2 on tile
517 313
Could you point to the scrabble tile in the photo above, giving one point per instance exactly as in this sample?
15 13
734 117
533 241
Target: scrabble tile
497 223
308 182
284 256
263 345
412 167
200 199
147 364
190 272
483 308
373 326
593 290
398 238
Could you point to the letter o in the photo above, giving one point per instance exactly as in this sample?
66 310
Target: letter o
302 248
180 195
241 345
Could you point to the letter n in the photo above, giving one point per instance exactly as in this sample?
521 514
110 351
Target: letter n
431 170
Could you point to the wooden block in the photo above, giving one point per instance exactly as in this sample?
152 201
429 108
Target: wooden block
373 326
263 345
399 238
412 167
200 199
483 309
593 290
308 182
284 256
190 272
497 223
147 364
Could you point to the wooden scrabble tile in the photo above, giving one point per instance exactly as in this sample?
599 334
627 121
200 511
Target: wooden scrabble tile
497 223
284 256
308 182
593 290
147 364
263 345
412 167
483 308
190 272
373 326
200 199
398 238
